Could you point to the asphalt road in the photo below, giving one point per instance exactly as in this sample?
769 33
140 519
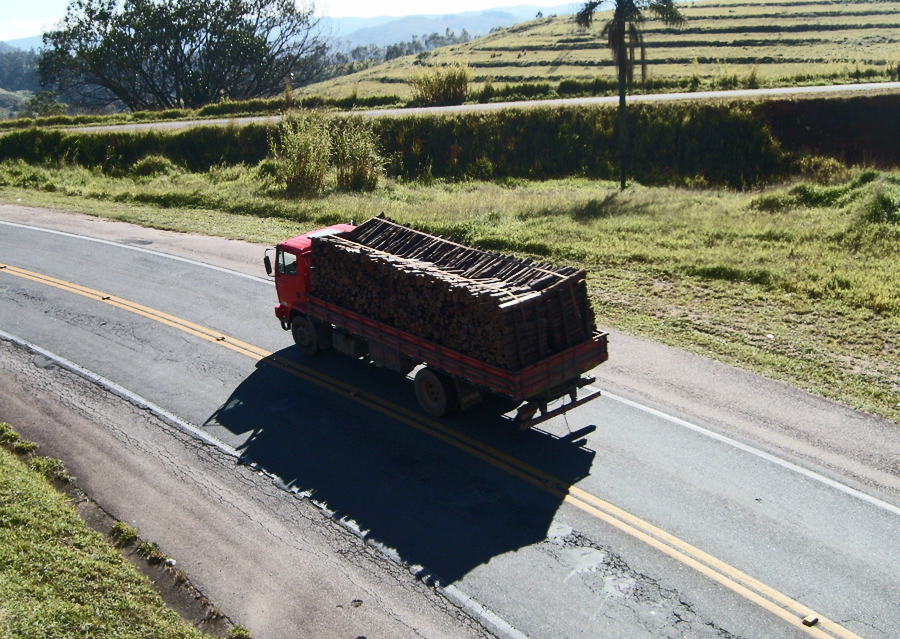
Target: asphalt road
870 87
718 509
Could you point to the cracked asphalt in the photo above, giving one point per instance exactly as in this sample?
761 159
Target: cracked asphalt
270 561
290 564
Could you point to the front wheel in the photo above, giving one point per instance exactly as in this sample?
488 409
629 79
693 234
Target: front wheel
436 392
304 335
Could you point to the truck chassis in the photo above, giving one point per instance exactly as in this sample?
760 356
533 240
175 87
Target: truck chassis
449 380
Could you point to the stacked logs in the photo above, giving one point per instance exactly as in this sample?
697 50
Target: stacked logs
500 309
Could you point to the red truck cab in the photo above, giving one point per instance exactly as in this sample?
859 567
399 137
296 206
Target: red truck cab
293 271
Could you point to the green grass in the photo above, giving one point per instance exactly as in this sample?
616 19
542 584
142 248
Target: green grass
725 45
798 282
58 578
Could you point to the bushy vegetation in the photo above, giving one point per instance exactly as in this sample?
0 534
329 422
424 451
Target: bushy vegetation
194 149
414 46
715 143
59 579
123 534
441 85
309 146
303 153
357 159
734 144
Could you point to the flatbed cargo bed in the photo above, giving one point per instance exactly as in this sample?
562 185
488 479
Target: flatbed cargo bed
531 382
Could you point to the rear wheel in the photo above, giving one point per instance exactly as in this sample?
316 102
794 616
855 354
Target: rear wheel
304 335
436 392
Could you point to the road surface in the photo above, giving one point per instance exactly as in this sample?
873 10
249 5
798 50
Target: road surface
869 87
692 500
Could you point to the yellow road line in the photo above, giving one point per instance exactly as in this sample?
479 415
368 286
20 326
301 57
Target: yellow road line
739 582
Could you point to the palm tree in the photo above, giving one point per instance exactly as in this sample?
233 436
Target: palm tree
623 35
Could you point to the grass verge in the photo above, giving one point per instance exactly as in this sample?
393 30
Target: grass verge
798 282
58 578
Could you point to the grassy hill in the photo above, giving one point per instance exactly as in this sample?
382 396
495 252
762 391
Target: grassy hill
724 44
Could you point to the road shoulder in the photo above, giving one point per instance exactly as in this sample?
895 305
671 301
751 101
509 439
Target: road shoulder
272 562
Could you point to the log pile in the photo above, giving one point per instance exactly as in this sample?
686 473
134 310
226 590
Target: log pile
503 310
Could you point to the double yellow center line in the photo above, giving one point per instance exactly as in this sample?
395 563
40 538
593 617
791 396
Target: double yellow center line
739 582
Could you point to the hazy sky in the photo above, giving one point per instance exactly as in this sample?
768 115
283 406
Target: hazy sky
25 18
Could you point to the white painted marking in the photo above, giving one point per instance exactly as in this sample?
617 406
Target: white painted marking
759 453
124 393
495 623
140 250
454 594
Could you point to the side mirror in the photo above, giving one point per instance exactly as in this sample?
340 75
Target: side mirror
268 264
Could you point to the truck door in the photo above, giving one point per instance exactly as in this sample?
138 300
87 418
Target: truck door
288 281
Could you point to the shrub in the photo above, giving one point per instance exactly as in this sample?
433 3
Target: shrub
50 468
822 170
123 534
752 81
724 143
20 174
11 441
151 552
356 156
303 150
883 207
44 104
153 165
443 85
267 170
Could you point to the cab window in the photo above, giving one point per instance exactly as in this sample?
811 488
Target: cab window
287 263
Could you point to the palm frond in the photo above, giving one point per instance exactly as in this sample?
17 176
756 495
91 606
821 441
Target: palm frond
666 11
585 16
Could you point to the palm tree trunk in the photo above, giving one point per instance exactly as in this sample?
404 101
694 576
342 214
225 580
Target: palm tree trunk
623 119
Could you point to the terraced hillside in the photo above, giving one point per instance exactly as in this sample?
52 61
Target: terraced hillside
786 42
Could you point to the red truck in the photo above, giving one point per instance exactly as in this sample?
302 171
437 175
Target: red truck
448 380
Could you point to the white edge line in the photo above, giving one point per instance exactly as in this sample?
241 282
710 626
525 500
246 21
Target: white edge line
124 393
474 608
140 250
754 451
451 592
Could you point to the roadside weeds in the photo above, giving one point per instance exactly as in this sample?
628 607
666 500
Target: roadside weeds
145 557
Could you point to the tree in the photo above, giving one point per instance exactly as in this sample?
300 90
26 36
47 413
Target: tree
44 104
155 54
18 70
623 34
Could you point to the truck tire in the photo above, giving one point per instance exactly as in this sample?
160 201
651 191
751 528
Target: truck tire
304 335
436 392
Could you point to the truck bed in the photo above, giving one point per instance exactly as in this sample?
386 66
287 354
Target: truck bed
500 309
521 385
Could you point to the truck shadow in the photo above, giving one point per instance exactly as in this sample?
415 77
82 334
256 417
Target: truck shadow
432 503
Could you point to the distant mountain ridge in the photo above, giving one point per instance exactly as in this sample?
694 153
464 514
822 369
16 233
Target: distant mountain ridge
25 44
385 30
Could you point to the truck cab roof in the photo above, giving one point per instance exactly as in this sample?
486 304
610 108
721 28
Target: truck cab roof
301 243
